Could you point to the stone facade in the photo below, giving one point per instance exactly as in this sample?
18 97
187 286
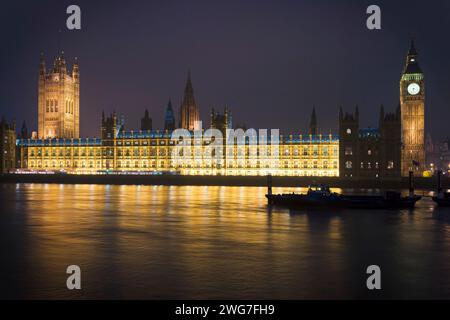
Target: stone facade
58 100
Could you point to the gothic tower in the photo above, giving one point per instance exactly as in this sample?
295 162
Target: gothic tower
189 112
58 100
412 104
348 143
169 119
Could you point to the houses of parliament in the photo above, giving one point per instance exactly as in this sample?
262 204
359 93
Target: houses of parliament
389 152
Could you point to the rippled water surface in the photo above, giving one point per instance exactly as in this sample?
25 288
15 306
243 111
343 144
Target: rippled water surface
212 242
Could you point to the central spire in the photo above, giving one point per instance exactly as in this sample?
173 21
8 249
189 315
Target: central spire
189 91
189 111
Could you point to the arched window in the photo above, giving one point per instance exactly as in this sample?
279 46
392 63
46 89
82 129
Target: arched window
348 164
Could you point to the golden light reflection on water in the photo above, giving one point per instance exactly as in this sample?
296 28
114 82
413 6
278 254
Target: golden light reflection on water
205 242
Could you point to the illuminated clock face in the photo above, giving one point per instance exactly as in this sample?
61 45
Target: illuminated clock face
413 89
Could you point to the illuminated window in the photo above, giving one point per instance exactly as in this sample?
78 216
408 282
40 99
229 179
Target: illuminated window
390 164
349 131
348 151
369 152
348 164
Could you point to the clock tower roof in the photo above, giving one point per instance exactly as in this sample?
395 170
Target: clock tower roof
412 65
412 49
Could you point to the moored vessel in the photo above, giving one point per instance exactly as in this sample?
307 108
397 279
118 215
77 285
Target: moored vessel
322 196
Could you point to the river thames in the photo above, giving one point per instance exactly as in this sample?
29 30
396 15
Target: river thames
182 242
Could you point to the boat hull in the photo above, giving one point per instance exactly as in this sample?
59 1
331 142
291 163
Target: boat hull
352 202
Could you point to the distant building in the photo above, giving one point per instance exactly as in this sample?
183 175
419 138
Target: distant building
146 122
58 100
189 111
169 118
370 153
7 146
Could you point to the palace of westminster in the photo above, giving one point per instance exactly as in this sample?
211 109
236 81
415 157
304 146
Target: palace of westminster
389 152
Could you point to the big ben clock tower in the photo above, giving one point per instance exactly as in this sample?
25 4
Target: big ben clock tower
412 102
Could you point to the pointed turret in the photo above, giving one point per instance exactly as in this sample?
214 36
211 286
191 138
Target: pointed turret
76 70
189 91
412 49
169 119
313 122
24 131
62 63
146 122
42 70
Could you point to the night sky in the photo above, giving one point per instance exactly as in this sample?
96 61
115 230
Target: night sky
269 61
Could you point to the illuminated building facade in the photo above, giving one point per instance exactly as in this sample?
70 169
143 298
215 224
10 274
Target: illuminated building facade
58 100
151 152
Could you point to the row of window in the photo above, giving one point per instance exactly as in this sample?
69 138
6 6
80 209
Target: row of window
152 164
52 106
152 152
349 151
369 165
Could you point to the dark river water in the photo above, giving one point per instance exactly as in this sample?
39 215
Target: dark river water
181 242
